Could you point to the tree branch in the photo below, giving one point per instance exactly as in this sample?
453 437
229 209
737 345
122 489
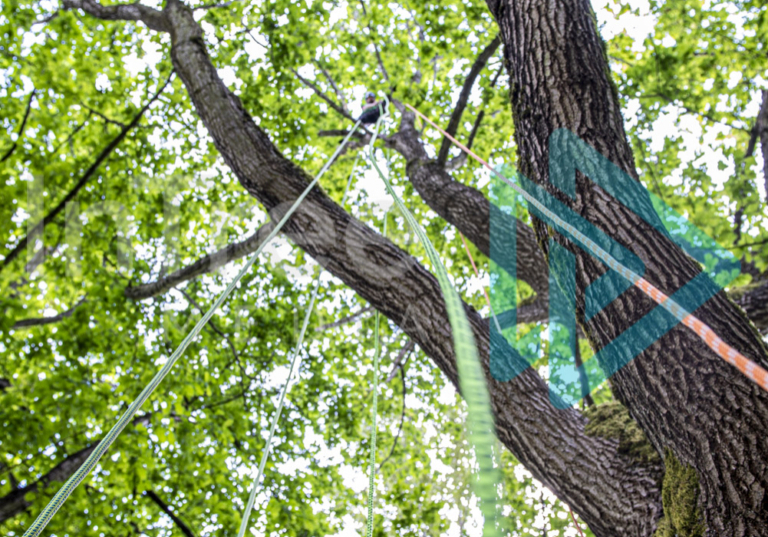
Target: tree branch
761 127
346 320
102 116
15 502
461 159
42 321
337 91
152 18
466 90
167 510
212 6
754 302
40 226
376 48
340 133
402 356
323 96
21 127
205 264
400 428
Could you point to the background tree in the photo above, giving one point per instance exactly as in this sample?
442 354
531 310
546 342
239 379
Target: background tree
296 69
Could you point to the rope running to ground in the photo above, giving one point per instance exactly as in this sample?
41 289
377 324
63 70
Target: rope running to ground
749 368
66 490
488 300
471 378
284 390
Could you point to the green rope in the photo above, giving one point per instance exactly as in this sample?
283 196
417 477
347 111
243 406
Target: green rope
75 479
284 391
471 379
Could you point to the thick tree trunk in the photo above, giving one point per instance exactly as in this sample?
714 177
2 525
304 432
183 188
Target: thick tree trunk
685 397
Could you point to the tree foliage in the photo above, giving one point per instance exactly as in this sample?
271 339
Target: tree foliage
69 84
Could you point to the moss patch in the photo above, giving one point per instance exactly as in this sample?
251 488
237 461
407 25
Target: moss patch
612 420
679 496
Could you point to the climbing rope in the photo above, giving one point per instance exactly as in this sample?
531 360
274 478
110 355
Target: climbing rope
471 379
488 300
66 490
749 368
278 411
284 390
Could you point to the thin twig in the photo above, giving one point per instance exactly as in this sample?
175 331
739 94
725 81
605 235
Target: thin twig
337 91
400 359
376 48
167 510
43 321
323 96
21 127
226 338
102 116
345 320
400 428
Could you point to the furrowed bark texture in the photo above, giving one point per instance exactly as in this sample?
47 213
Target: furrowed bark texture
685 397
610 492
755 305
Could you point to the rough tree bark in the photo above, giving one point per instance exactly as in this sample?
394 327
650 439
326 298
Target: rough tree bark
611 492
685 398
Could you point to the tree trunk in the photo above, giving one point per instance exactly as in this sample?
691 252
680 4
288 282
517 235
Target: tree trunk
685 398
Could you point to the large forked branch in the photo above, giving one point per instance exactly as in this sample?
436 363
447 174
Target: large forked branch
586 472
466 90
205 264
40 226
464 207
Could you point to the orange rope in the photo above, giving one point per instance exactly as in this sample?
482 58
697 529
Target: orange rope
477 273
749 368
576 523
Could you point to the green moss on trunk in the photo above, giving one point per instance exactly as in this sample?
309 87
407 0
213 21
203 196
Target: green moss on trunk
680 496
612 420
